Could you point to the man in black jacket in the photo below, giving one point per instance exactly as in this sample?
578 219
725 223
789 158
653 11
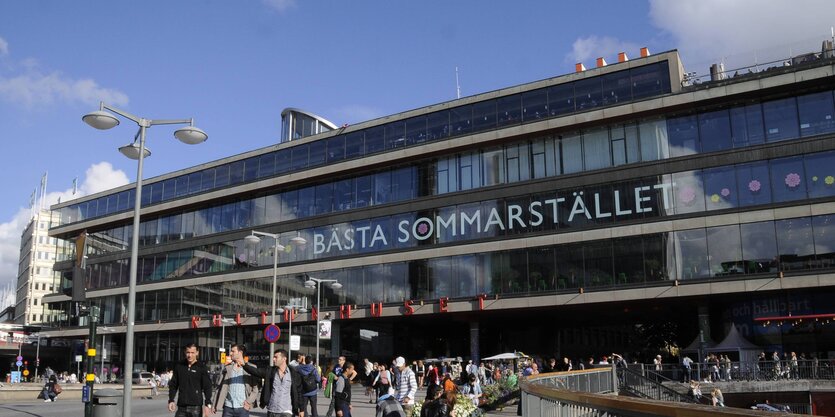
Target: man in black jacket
281 394
191 380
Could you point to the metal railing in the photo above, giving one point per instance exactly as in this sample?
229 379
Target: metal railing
593 393
642 386
740 371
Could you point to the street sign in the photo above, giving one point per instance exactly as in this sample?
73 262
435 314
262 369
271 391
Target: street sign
295 342
19 363
78 358
272 333
15 377
19 358
25 372
85 394
223 358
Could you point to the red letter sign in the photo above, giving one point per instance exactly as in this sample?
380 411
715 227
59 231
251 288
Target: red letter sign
263 317
195 322
408 309
481 298
444 302
345 311
376 309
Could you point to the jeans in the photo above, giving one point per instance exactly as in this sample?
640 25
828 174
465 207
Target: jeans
312 401
48 395
189 411
235 412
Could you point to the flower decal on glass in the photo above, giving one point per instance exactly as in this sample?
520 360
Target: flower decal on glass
687 195
422 228
814 178
829 180
715 198
754 186
725 192
792 180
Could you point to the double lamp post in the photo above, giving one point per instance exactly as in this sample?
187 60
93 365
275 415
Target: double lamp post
104 119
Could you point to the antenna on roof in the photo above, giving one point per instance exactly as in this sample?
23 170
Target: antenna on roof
457 85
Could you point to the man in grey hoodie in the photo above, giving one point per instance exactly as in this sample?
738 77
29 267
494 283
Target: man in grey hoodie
310 384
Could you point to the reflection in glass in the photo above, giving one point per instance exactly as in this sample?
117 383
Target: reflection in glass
725 251
795 243
780 119
720 188
691 251
820 174
759 247
816 113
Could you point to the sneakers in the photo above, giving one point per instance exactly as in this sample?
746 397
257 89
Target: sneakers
47 400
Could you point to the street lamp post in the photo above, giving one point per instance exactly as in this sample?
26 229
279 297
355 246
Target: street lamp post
102 120
317 283
104 331
291 310
223 334
254 240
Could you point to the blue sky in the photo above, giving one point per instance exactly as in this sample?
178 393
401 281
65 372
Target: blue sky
234 66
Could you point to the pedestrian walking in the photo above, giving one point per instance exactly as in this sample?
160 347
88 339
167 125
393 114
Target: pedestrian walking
406 385
191 386
237 391
281 394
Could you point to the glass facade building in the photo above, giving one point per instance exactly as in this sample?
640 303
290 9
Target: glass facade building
591 195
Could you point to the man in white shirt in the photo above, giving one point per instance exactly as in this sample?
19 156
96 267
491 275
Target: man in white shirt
406 385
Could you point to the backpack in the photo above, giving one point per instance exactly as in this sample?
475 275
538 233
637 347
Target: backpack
309 382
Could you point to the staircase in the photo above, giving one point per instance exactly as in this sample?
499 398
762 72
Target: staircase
636 384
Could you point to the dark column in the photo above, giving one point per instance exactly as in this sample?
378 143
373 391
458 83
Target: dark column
474 340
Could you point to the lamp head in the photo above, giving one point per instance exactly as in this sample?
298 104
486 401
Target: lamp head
298 241
100 119
336 285
252 240
310 284
191 135
132 151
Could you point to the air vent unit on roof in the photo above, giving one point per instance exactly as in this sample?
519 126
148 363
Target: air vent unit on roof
717 72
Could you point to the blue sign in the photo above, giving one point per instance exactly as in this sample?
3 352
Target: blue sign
85 394
18 363
15 377
272 333
19 358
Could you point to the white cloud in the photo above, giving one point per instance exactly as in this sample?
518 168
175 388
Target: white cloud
98 177
742 31
280 5
25 84
588 49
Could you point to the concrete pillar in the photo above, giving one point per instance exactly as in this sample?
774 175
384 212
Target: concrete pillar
336 345
474 341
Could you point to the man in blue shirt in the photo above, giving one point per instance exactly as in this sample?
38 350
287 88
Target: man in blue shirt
281 394
238 391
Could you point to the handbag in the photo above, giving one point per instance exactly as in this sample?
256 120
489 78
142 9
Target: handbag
57 388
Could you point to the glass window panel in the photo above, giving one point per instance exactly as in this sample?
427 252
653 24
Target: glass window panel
598 263
101 206
317 153
289 205
715 131
570 266
588 93
154 194
403 184
208 179
518 164
816 113
461 120
364 190
654 144
250 169
572 153
324 198
344 194
824 235
596 151
438 125
267 209
795 243
780 119
683 134
659 262
354 144
300 157
112 202
266 165
691 252
617 87
539 158
374 140
650 80
725 251
747 125
509 110
484 115
492 162
283 161
753 183
336 149
236 172
125 200
168 189
307 199
395 134
688 192
515 277
542 267
222 176
720 188
382 187
629 260
759 247
788 181
561 99
820 175
416 130
534 105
